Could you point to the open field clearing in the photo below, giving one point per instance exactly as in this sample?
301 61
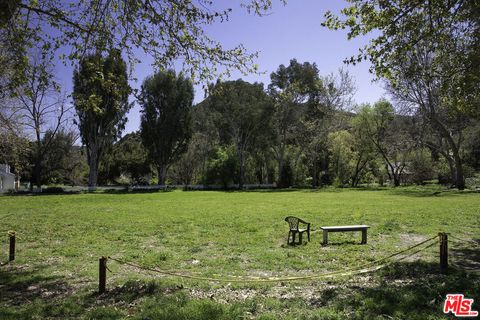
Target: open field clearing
235 234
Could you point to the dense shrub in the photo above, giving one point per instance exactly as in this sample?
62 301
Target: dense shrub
52 190
222 168
421 167
286 176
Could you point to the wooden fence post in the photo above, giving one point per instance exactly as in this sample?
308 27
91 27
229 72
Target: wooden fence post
11 255
102 275
443 252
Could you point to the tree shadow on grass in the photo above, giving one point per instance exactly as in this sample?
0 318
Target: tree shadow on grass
32 293
466 255
26 294
129 190
340 242
42 194
424 193
404 290
18 286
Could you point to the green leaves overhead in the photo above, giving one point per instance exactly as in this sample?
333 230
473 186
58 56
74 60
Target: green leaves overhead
168 31
100 85
428 52
397 26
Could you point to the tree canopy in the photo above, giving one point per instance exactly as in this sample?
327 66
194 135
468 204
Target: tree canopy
428 52
100 96
243 114
166 100
449 29
168 31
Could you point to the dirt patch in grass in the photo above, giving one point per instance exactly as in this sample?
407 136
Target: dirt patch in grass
305 291
410 239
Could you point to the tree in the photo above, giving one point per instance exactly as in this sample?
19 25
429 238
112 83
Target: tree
14 144
13 54
291 88
243 113
419 85
190 164
14 149
449 28
472 146
340 146
166 101
323 117
389 135
363 150
167 30
41 108
63 163
421 166
436 41
351 152
128 160
100 94
222 167
205 136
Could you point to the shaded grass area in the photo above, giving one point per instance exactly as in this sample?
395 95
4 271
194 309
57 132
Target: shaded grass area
233 233
408 290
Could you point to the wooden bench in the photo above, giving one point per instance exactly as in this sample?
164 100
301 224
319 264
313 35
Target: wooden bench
362 228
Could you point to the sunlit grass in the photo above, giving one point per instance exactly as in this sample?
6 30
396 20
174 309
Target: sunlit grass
219 234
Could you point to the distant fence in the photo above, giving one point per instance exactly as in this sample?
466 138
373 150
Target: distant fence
119 188
204 187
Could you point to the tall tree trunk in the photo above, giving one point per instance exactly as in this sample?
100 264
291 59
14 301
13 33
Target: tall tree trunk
241 158
92 177
456 165
453 171
38 158
380 180
355 175
280 157
355 179
454 147
393 174
396 180
459 175
360 165
314 175
38 172
281 164
162 174
388 172
93 165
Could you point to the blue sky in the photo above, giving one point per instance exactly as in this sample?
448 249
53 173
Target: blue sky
290 31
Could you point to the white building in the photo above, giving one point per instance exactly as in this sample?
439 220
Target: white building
7 179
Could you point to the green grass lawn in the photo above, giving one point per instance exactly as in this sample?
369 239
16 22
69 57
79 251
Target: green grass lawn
230 234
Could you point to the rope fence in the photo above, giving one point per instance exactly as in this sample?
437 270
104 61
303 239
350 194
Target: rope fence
461 240
368 267
460 243
364 268
441 239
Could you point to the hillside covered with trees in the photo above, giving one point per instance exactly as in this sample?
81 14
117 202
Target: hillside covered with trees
301 129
